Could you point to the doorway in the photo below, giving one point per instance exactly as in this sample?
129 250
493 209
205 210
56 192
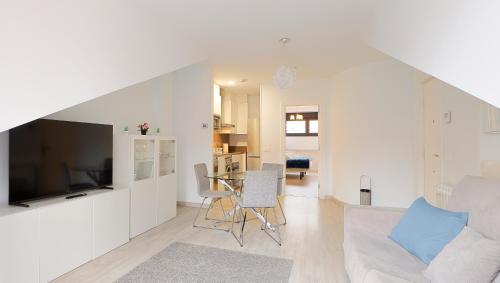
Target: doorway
302 150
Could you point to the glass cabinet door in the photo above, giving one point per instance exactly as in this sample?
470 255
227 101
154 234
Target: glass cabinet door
167 157
143 159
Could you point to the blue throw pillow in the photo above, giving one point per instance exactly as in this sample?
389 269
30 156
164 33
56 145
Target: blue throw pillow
424 230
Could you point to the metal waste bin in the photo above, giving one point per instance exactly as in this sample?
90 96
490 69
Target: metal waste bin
365 197
365 190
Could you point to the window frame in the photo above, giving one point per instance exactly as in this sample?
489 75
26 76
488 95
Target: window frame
307 116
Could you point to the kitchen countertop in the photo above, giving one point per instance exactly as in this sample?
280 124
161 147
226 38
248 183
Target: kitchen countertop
229 153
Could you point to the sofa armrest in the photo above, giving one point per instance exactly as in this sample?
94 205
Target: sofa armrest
370 219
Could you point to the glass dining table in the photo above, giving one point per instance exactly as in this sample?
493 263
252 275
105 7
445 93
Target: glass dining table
231 181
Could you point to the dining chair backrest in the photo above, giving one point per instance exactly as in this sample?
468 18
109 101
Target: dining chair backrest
280 169
202 180
260 189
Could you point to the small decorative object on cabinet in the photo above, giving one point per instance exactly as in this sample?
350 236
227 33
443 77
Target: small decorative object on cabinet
146 164
144 127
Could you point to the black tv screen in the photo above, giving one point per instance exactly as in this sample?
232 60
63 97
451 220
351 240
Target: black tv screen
50 158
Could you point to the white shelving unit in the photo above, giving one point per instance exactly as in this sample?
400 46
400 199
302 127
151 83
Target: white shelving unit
147 165
166 179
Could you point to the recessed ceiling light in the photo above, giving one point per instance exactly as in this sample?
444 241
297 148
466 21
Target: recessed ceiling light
284 40
231 82
244 80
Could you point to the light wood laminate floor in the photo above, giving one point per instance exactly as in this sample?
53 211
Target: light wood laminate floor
312 239
305 187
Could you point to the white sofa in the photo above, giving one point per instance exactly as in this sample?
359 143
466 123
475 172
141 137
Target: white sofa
370 256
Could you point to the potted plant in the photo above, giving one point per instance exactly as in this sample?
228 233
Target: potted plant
143 128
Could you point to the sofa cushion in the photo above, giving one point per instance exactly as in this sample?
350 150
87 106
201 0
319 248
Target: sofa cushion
468 258
371 255
424 230
481 199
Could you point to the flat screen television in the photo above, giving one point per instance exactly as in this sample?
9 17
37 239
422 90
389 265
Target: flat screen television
51 158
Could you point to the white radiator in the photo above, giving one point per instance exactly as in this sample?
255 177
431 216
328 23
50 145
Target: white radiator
443 193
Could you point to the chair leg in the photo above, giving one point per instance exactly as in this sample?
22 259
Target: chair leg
278 238
282 212
223 211
212 203
199 210
209 207
241 220
206 214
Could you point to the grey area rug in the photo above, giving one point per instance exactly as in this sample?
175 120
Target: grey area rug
181 262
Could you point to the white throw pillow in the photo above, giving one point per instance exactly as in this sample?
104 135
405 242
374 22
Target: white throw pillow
470 257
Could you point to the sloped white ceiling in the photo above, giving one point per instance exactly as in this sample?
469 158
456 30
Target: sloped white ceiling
55 54
456 41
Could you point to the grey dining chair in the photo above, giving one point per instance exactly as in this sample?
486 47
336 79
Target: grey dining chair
204 191
280 169
259 192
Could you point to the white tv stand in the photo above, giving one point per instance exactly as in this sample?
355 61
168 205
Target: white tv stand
51 237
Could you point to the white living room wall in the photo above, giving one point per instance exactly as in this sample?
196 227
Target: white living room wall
465 144
302 143
273 103
193 90
189 89
149 101
374 131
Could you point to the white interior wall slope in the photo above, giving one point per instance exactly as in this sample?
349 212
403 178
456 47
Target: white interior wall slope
193 90
149 101
455 41
273 103
374 131
58 54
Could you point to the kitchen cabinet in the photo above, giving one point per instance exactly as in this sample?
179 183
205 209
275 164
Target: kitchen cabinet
225 162
242 160
242 118
217 103
226 105
234 111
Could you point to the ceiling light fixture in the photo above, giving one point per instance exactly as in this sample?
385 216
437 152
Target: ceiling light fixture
231 82
284 76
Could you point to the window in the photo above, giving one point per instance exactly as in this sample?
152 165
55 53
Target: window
313 126
295 127
302 124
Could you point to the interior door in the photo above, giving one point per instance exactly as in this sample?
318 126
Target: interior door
433 143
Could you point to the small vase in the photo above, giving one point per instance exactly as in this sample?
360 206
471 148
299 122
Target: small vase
144 132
